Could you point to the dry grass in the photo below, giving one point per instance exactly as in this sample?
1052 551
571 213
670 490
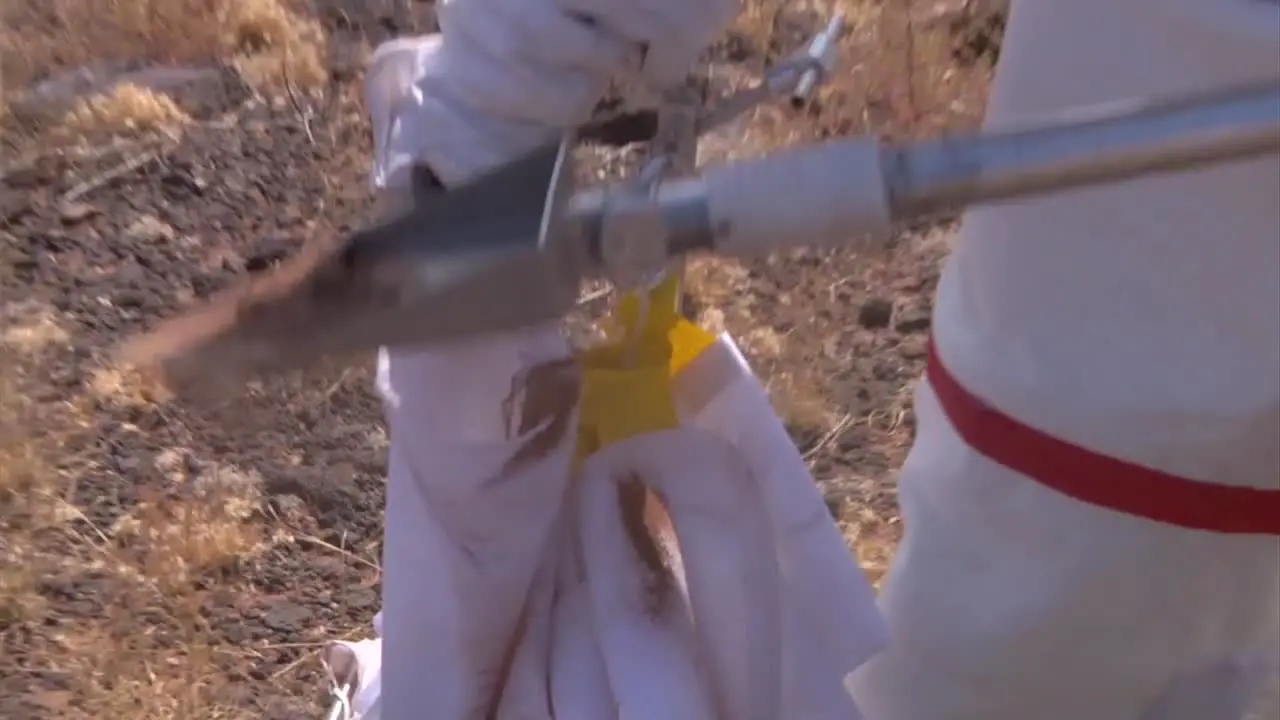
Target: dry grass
125 108
38 37
148 561
269 41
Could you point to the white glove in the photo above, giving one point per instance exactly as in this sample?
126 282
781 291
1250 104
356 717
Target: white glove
505 76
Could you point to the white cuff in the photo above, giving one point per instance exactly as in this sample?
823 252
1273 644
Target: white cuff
415 90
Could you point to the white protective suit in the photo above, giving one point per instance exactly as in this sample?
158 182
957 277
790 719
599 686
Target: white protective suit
513 586
1142 322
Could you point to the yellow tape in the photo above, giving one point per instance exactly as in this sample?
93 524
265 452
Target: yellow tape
627 388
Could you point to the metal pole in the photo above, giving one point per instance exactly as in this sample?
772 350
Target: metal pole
1118 142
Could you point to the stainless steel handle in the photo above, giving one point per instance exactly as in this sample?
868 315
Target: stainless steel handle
1086 147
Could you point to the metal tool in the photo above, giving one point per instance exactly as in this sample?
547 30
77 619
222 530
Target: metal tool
824 49
844 192
500 253
510 249
838 192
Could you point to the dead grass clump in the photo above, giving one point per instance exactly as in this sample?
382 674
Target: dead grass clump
29 328
18 459
127 108
174 542
271 44
127 387
19 599
151 653
116 675
18 475
161 552
269 38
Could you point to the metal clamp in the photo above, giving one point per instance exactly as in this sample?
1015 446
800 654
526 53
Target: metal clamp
633 224
823 50
632 229
798 77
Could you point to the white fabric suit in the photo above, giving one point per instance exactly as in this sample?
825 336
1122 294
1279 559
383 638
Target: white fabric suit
1140 321
511 588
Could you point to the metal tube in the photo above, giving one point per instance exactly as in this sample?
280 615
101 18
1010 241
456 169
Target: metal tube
1119 142
685 213
823 48
1100 145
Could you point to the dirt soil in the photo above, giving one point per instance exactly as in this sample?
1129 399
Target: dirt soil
162 560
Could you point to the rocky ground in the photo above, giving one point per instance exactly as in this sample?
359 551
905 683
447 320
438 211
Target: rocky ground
166 561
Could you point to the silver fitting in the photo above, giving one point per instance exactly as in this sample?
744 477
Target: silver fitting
823 50
797 78
632 234
676 140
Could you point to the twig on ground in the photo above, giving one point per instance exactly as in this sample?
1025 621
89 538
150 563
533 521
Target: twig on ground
95 152
131 165
79 514
594 295
348 635
832 435
910 46
304 113
345 553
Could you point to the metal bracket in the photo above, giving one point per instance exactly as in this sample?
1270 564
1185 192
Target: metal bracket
630 245
798 77
633 224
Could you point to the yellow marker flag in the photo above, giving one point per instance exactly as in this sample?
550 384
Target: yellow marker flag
627 388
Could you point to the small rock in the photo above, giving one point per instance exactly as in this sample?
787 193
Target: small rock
128 465
186 181
360 599
130 299
14 207
172 463
265 258
290 507
55 701
25 178
54 241
913 321
76 212
148 228
913 348
88 79
835 505
875 313
287 617
242 632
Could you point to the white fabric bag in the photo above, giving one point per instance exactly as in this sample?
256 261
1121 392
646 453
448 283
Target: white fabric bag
508 589
780 612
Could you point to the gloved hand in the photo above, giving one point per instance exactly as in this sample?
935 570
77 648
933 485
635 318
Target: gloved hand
504 76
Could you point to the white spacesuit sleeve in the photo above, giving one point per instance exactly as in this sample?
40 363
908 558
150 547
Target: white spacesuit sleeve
504 76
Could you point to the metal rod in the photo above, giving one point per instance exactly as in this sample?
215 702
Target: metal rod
1120 142
338 709
823 48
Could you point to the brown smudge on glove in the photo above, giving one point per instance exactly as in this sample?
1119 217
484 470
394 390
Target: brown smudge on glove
547 395
645 520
